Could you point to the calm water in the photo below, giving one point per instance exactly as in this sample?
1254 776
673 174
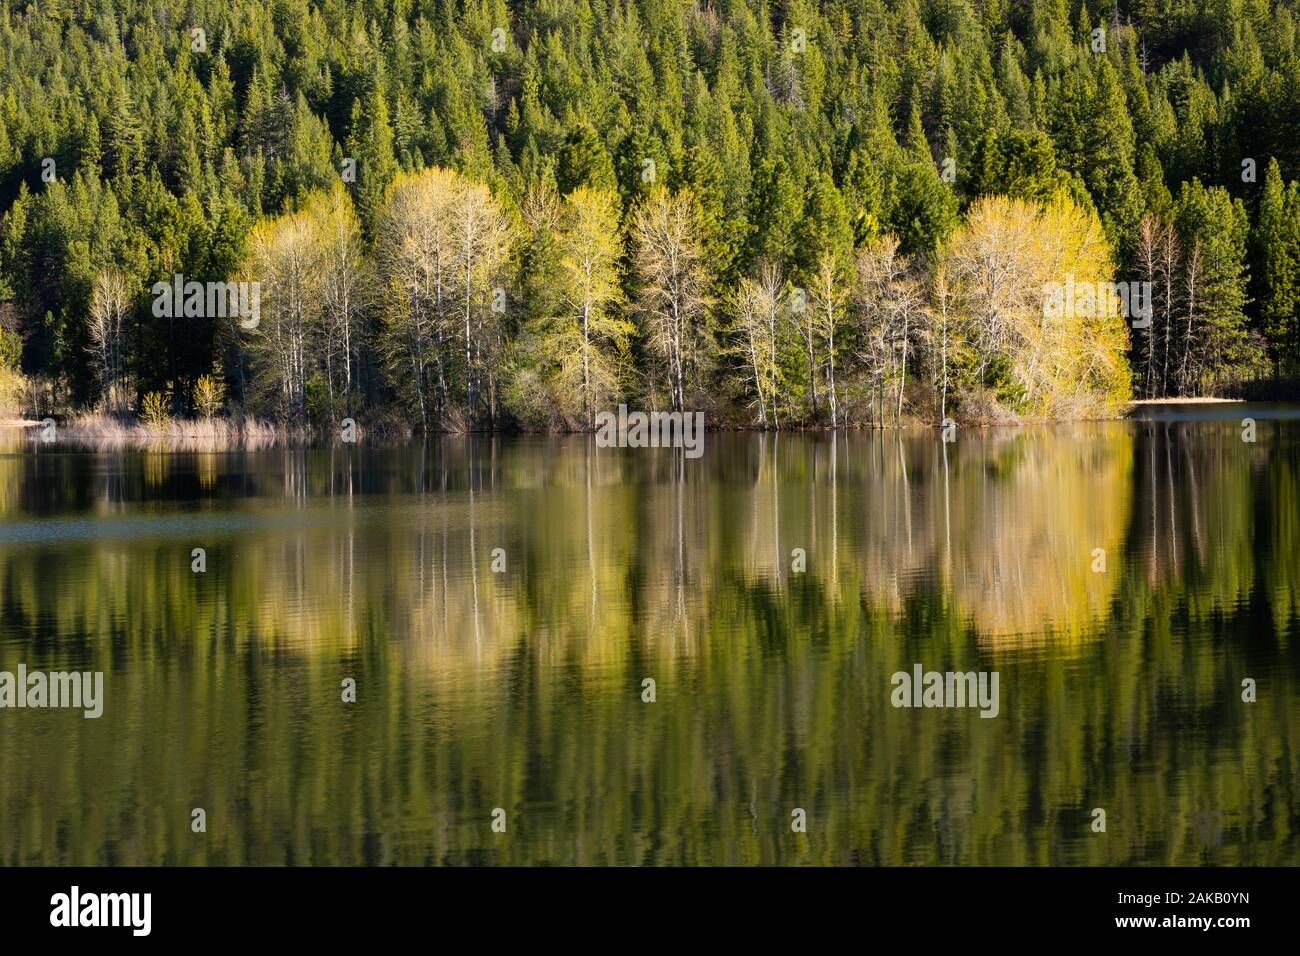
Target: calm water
522 689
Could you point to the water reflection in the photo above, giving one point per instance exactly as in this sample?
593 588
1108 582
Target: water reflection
521 688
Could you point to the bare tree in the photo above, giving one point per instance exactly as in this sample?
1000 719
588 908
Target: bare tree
804 322
346 285
830 293
110 304
284 254
892 304
747 308
940 314
1169 261
482 236
669 258
1148 256
1192 274
417 255
591 249
992 268
758 307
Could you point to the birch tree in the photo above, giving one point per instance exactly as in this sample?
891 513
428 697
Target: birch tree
346 286
481 235
827 305
591 249
758 309
110 305
1008 263
669 259
284 256
892 304
416 245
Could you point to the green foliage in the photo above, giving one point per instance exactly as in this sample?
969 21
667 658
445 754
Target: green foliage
1211 222
165 157
1020 164
371 146
1278 254
209 395
924 208
153 410
11 349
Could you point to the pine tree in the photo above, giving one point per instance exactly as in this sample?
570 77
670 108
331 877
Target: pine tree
1277 245
1213 227
371 146
1108 162
924 210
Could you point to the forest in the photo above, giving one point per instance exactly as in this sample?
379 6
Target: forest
460 216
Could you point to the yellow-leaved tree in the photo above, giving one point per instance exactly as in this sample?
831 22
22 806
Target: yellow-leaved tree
669 260
443 243
1033 291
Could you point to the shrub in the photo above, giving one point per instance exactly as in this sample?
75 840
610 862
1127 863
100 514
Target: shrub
153 410
209 395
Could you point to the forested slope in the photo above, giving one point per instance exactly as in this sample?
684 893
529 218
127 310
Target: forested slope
490 215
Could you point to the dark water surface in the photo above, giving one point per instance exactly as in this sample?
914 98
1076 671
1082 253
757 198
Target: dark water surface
522 689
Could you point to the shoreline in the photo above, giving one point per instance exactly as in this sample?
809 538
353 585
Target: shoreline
236 434
1185 401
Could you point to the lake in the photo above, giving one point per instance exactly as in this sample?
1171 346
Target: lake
501 604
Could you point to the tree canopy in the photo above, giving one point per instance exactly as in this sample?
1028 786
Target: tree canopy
772 141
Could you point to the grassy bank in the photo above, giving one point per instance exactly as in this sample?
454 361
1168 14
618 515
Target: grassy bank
214 434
